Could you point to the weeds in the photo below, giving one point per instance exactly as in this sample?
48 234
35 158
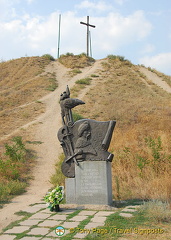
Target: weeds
17 151
94 75
76 71
53 84
77 116
84 81
13 168
157 211
155 157
75 61
58 178
49 57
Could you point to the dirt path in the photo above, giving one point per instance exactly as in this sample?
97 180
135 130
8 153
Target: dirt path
155 79
45 128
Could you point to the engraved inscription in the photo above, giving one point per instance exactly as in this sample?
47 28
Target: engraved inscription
90 182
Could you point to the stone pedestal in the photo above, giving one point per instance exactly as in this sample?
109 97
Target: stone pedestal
92 184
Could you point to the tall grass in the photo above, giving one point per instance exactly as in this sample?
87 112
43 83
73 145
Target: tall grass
157 211
58 178
141 141
14 167
75 61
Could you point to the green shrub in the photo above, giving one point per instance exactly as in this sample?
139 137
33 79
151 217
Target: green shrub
76 116
48 56
17 151
58 178
9 169
84 81
16 187
121 58
69 54
155 157
76 71
94 75
82 54
11 188
13 169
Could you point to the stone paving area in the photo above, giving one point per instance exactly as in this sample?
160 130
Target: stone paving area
41 223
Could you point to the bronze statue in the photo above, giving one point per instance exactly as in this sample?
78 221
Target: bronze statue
83 140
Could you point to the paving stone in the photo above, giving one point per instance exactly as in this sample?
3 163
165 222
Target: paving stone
18 229
78 218
38 231
47 210
135 206
30 238
93 225
129 210
104 213
32 209
35 208
51 239
127 215
98 219
70 224
66 211
40 216
7 237
49 223
87 213
58 217
30 222
40 205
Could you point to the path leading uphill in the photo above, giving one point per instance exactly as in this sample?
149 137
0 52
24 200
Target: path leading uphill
45 128
155 79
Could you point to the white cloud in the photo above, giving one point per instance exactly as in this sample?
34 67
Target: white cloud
100 6
120 2
115 31
30 1
160 62
148 48
38 35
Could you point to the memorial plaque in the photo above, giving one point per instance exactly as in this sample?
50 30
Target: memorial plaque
93 183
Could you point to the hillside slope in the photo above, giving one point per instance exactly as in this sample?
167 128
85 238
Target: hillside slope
44 129
117 91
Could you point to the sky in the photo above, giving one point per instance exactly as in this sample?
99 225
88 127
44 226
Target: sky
139 30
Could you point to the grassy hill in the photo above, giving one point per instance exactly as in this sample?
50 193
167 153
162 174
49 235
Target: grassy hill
142 137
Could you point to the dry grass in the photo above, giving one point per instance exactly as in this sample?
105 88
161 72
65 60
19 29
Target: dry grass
166 78
141 111
157 211
23 81
75 61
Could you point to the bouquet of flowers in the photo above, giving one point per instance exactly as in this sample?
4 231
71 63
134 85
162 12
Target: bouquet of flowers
54 197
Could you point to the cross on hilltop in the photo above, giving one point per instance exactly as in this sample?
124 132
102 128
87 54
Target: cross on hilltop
88 25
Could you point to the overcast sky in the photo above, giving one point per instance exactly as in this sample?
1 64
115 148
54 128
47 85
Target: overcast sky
139 30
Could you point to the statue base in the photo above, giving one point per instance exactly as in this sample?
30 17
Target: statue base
92 184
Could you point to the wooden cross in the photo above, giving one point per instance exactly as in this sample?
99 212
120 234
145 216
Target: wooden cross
88 25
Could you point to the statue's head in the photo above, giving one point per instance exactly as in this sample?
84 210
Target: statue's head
65 94
84 129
